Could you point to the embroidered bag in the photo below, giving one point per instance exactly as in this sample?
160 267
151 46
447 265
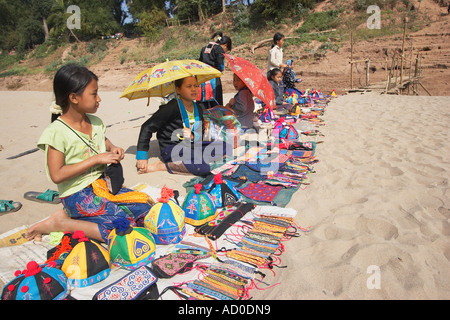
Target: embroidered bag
174 263
139 284
130 247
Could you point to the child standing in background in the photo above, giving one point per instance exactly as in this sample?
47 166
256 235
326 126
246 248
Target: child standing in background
242 104
275 59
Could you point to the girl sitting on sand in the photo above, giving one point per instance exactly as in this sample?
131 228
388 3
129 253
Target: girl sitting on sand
76 153
179 129
275 76
242 104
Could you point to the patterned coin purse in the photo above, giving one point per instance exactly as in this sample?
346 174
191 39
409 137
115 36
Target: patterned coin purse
174 263
139 284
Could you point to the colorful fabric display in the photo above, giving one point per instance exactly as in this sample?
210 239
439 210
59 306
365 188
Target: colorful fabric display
214 232
222 192
87 263
37 283
260 192
174 263
249 174
199 206
165 220
139 284
130 247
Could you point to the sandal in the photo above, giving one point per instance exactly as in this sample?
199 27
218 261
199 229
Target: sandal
7 206
48 196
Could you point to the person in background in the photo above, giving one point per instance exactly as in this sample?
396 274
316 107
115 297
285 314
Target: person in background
210 93
242 104
275 59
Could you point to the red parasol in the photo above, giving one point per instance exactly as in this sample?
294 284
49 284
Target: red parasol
254 78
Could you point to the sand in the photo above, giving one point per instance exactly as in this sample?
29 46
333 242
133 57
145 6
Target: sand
378 203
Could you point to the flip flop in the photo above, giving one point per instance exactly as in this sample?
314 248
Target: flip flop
7 206
48 196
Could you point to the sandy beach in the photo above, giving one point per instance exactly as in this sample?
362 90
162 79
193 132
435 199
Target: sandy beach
378 204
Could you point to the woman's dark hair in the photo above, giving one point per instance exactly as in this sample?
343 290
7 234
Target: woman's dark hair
222 39
272 73
70 78
277 37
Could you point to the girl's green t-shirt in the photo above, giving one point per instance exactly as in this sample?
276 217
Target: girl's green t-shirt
66 141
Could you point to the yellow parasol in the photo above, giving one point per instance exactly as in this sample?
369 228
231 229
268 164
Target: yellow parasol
158 80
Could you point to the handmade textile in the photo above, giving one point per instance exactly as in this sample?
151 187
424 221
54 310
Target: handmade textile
260 192
87 263
244 172
222 192
214 232
139 284
37 283
130 247
101 189
165 220
174 263
199 206
86 205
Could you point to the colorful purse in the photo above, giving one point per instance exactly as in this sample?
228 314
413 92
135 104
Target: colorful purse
174 263
139 284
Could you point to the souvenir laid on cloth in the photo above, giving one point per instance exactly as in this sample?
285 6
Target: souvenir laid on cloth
222 192
216 230
139 284
260 192
130 247
199 207
174 263
249 174
87 262
165 220
37 283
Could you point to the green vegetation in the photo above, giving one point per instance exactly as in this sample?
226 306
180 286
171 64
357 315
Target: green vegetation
37 29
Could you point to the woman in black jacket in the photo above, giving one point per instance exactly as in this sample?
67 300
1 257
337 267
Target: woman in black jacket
179 130
212 54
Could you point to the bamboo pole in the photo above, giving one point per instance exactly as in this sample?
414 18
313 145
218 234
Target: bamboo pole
351 59
403 53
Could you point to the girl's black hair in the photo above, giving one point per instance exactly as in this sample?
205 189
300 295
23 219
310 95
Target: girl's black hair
179 82
223 39
272 73
277 37
70 78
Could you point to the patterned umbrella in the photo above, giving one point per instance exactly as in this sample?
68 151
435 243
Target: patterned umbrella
254 78
165 220
158 80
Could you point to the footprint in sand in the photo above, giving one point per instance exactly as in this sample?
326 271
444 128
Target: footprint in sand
377 227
